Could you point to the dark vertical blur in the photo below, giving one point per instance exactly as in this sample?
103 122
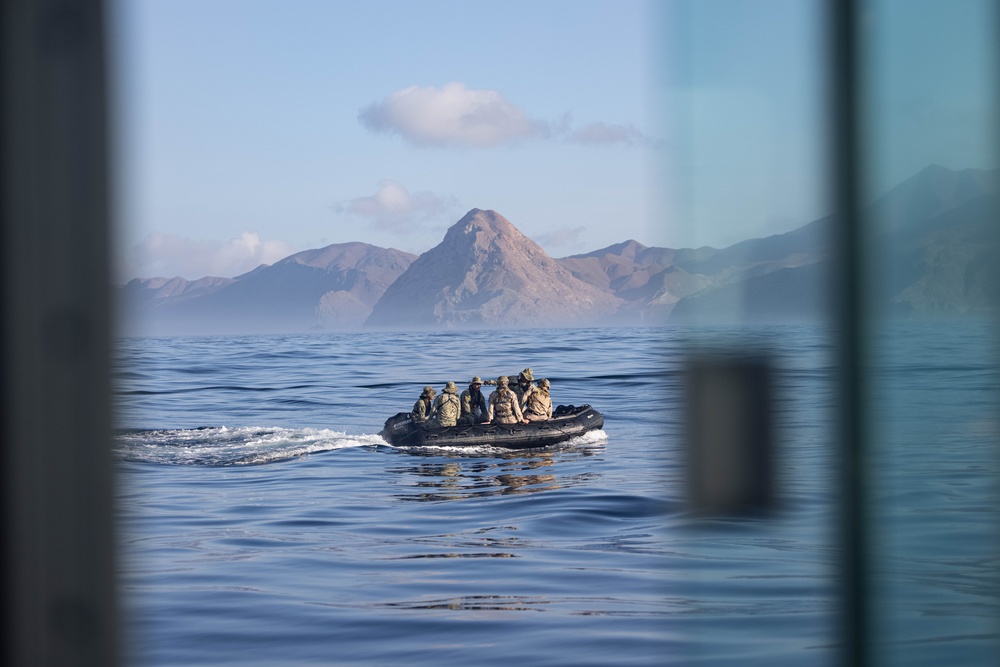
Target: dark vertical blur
849 287
730 434
58 570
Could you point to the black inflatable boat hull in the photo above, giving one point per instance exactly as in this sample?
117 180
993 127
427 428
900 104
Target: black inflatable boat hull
568 422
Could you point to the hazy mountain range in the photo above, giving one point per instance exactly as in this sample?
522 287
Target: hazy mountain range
936 231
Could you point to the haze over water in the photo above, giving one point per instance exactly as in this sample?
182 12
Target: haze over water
263 521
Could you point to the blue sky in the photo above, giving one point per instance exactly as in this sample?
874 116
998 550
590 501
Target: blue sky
932 86
250 129
254 128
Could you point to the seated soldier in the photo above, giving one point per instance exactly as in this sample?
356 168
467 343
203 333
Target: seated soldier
519 384
537 403
473 403
422 408
504 407
447 407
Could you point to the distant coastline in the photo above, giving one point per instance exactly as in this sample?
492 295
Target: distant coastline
936 230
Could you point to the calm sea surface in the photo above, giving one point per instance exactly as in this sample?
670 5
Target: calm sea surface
263 521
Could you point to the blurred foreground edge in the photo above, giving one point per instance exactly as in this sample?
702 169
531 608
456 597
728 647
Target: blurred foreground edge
57 504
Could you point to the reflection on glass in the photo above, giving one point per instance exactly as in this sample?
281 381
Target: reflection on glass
750 217
930 132
750 213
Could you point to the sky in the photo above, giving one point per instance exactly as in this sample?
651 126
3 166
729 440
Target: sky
246 130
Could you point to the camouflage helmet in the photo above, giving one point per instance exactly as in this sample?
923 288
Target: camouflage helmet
543 383
476 380
450 388
502 381
526 375
428 391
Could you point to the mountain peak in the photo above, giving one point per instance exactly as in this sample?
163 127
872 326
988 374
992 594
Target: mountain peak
934 170
931 192
487 273
628 249
479 220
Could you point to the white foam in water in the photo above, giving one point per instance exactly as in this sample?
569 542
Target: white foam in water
589 438
220 446
255 445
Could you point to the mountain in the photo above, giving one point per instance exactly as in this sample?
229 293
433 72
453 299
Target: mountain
330 288
647 280
948 264
486 273
928 194
150 291
934 235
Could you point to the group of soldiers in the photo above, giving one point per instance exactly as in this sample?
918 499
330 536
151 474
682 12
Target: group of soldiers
515 400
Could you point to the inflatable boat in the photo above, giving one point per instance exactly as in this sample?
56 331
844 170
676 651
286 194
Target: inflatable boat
568 421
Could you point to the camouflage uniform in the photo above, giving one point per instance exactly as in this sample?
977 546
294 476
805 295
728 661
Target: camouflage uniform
473 404
537 403
422 408
523 386
447 407
516 386
504 407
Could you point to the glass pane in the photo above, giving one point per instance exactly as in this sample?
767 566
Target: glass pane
931 147
746 177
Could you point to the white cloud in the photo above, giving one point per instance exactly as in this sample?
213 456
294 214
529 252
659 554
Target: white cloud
169 255
452 115
394 208
565 238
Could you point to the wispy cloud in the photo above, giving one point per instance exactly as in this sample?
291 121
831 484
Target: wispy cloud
451 115
394 208
608 134
169 255
564 239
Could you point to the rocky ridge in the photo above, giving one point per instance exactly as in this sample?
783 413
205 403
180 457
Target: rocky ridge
331 288
487 273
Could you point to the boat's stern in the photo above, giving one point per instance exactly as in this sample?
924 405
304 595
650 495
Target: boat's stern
397 427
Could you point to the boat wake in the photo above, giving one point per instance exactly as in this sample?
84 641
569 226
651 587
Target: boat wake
222 446
256 445
596 437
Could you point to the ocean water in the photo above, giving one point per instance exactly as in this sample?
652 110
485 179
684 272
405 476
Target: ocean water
263 521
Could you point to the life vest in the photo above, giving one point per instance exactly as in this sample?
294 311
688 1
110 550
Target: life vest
538 402
449 410
503 406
